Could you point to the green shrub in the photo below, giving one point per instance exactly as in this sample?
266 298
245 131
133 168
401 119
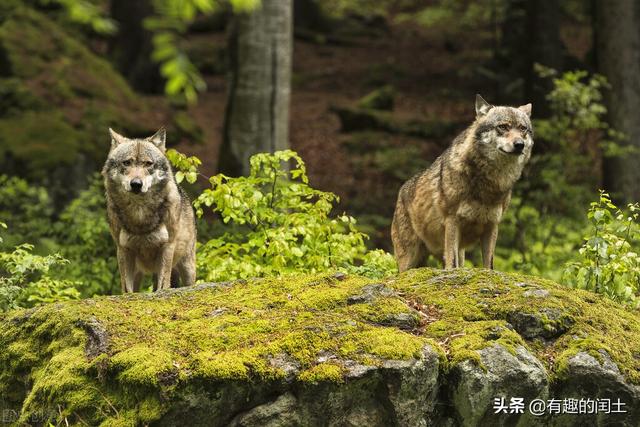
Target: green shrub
607 264
27 210
277 224
25 279
83 237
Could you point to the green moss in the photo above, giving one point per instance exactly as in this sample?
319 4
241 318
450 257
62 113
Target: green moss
60 65
387 343
142 365
323 372
58 97
473 306
44 137
157 345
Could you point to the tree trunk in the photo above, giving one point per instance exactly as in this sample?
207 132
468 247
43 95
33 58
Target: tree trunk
546 49
530 35
618 56
131 47
257 113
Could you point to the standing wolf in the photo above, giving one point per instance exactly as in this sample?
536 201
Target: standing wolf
462 196
151 220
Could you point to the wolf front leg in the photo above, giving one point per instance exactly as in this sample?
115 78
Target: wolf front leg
165 265
451 242
489 238
126 265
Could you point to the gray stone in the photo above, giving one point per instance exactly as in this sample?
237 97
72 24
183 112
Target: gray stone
548 323
97 337
369 293
536 293
287 363
413 388
502 374
589 377
279 413
404 321
357 370
340 276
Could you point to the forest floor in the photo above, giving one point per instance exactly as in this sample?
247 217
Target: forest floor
434 74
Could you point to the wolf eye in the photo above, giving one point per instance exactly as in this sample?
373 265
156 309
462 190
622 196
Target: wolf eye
504 127
523 128
148 163
127 163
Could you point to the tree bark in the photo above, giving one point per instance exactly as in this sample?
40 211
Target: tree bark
618 56
546 49
257 112
530 35
131 47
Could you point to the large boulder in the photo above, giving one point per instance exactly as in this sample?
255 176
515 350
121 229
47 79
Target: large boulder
429 347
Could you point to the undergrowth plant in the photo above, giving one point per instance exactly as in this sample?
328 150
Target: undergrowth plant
607 263
25 279
82 236
277 224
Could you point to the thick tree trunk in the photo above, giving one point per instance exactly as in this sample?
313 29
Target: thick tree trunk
131 47
530 35
618 56
545 48
257 113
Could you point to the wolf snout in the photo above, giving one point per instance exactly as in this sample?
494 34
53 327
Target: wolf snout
518 146
136 185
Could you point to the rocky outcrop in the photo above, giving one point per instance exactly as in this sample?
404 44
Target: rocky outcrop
454 348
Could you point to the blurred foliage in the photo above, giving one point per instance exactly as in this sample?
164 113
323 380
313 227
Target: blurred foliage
58 98
83 237
280 225
80 234
170 22
545 222
607 263
340 8
26 209
87 13
456 14
25 280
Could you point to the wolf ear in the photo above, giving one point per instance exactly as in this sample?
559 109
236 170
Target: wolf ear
526 109
116 138
482 106
159 138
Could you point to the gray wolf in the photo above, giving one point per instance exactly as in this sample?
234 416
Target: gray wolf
151 219
460 199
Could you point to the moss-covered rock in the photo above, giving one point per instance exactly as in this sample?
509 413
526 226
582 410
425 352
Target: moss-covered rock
58 96
425 348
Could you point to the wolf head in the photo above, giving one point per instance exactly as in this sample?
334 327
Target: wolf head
503 132
137 166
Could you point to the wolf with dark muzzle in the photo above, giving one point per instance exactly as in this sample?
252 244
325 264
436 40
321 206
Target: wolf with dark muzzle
151 219
462 196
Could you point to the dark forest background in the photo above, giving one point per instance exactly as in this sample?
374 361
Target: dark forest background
367 92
